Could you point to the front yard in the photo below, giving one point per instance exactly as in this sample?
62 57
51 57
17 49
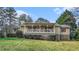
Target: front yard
37 45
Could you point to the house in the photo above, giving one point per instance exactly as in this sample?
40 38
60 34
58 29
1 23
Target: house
58 32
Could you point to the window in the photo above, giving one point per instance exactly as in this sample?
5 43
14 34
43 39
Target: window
63 29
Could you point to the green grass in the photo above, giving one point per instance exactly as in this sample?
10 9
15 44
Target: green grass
37 45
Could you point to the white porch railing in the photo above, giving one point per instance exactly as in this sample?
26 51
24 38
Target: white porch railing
40 30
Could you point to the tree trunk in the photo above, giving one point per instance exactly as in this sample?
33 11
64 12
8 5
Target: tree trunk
10 29
5 34
4 30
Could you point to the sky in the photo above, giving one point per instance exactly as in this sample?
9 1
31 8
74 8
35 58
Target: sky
49 13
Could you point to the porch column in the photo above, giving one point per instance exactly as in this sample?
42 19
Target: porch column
47 28
24 29
32 28
39 28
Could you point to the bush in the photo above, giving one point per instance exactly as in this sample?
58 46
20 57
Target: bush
37 37
11 35
27 36
51 38
73 35
8 38
1 35
19 34
77 34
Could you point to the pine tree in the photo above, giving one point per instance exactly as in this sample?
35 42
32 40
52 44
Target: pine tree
68 18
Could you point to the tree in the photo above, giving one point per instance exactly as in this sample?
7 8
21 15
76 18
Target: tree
68 18
41 20
25 18
10 16
22 17
2 21
7 20
75 12
29 19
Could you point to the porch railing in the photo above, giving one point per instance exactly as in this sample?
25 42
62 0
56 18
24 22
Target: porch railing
40 30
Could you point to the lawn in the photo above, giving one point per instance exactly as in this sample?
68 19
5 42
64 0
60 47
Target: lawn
16 44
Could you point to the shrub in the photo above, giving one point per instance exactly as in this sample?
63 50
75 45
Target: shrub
77 34
11 35
27 36
73 35
33 36
51 37
19 34
1 35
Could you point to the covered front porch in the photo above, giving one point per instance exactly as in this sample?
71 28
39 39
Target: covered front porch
39 28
